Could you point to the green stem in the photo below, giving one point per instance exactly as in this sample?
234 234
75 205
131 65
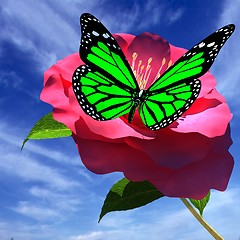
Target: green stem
201 220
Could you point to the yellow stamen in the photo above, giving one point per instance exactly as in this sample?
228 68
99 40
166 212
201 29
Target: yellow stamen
149 60
159 70
142 72
135 73
139 64
163 61
134 56
147 68
169 64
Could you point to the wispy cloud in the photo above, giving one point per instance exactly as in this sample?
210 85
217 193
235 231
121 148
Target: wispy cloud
38 213
227 64
106 235
9 136
174 15
31 170
175 222
28 231
49 31
141 17
60 200
51 191
5 76
12 159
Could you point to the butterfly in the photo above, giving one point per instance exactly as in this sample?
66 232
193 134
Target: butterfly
106 87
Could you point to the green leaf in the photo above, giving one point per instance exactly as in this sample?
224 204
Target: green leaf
125 195
47 127
200 204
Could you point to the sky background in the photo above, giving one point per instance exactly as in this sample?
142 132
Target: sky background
45 191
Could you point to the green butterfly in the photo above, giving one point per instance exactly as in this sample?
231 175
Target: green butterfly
106 87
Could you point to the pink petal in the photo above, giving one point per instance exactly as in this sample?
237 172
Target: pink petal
205 122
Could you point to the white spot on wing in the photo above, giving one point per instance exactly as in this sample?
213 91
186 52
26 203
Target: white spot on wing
211 44
106 35
202 44
95 33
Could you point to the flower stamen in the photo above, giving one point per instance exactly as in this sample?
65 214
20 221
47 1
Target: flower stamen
142 74
134 56
139 64
147 74
158 73
169 64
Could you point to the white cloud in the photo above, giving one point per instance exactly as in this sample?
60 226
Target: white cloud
19 230
31 170
106 235
8 136
38 213
140 17
119 218
49 30
12 80
90 236
5 76
52 190
58 200
174 15
226 69
26 166
223 213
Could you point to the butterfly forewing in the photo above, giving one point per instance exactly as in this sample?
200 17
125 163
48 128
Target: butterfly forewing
162 105
100 51
195 62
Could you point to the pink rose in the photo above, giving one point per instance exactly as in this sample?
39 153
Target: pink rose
185 159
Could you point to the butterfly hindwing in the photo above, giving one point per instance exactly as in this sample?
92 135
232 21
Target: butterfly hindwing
162 105
99 96
161 108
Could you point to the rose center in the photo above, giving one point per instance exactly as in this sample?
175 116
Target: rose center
142 73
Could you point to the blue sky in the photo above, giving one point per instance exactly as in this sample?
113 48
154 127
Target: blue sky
45 191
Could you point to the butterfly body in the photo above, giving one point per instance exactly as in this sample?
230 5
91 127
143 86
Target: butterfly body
106 87
138 100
